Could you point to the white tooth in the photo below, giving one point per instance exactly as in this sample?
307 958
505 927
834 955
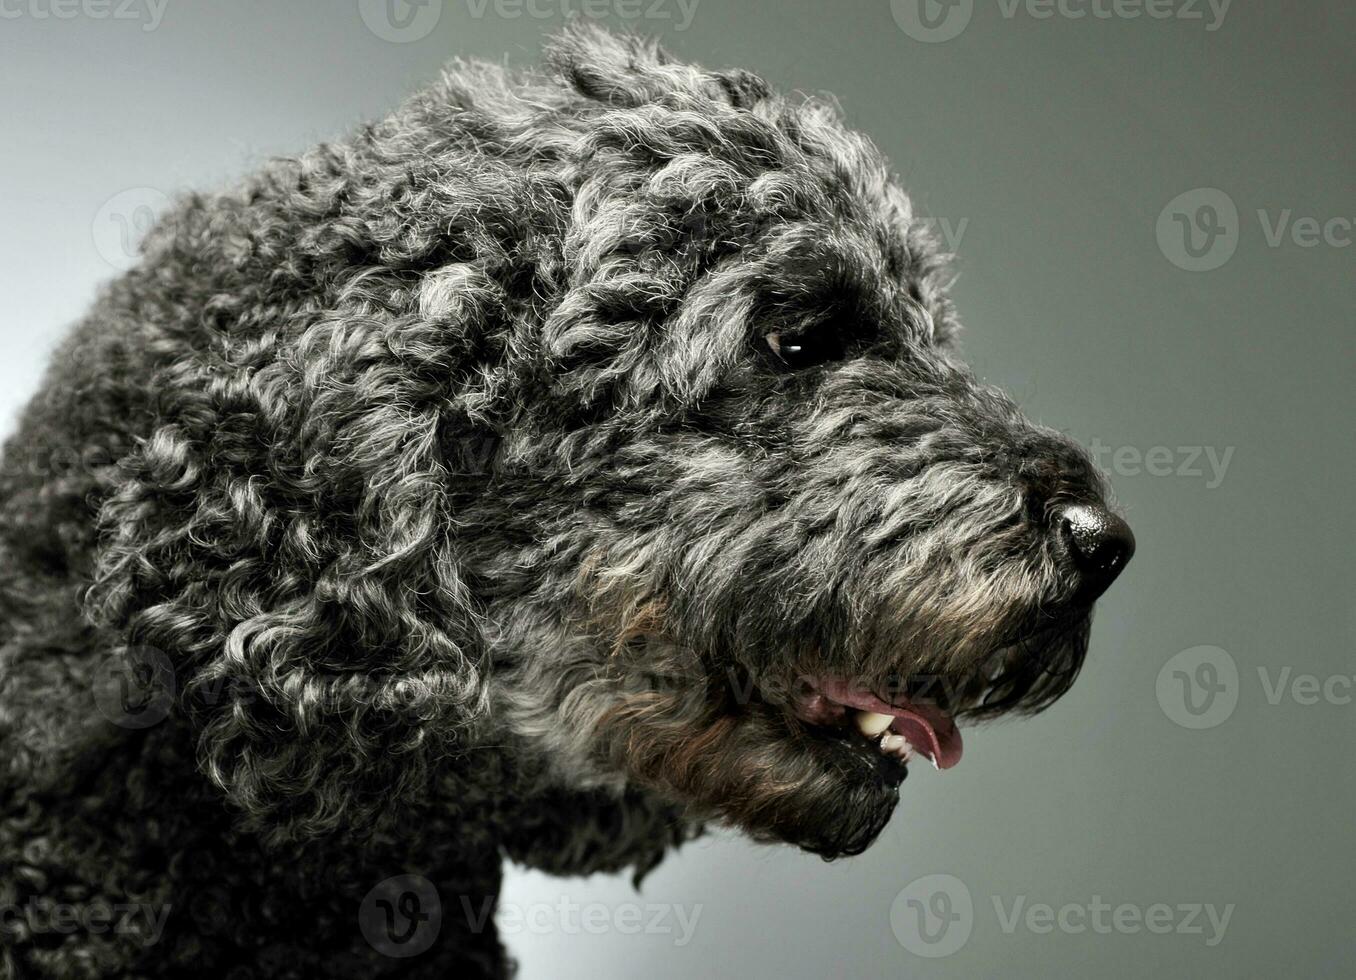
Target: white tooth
871 724
893 743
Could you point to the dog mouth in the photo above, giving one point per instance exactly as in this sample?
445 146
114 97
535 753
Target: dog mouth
900 728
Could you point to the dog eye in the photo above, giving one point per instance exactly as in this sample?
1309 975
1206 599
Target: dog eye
804 348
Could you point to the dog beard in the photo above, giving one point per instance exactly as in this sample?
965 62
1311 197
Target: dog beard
754 770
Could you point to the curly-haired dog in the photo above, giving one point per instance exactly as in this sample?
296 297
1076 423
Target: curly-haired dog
566 461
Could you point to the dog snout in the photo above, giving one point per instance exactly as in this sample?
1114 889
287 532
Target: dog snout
1096 543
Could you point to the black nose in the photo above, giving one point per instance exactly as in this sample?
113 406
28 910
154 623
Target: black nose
1098 544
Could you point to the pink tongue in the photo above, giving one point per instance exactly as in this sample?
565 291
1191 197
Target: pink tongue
931 732
928 729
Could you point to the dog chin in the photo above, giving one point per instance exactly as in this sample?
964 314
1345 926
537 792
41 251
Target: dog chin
829 791
843 807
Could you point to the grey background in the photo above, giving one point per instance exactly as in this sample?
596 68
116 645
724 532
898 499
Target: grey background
1054 143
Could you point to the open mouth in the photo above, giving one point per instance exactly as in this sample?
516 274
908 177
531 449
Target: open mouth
900 728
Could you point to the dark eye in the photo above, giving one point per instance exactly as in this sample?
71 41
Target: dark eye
802 348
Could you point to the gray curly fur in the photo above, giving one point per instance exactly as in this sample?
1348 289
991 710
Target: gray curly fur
442 474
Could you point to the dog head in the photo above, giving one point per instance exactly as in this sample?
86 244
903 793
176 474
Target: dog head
628 426
764 506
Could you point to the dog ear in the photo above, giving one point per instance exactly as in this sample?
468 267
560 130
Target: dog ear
288 541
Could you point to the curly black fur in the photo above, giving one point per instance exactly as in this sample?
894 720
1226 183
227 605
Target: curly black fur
441 494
